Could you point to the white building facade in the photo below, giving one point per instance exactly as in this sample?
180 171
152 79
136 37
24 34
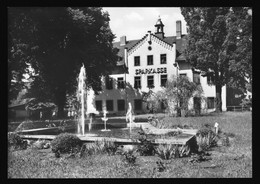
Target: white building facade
147 64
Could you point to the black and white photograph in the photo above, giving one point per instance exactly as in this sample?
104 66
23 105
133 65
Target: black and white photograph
129 92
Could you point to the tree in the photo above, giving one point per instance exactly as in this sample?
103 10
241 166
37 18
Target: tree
57 41
179 91
153 100
216 37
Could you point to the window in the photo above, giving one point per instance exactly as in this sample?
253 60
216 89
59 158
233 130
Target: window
109 83
150 60
121 105
138 104
163 80
163 59
183 75
110 106
196 78
120 83
210 103
137 82
99 105
210 78
137 60
150 81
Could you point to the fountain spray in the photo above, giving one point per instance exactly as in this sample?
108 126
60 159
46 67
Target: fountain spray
81 98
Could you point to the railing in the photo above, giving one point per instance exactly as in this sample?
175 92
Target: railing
239 108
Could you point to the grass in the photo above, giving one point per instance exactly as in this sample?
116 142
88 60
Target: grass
233 161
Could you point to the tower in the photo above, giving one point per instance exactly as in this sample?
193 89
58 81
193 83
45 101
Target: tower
159 28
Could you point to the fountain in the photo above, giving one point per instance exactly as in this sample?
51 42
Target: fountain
129 116
105 121
91 110
84 96
81 98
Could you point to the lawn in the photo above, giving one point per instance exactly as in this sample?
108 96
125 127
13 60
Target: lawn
232 161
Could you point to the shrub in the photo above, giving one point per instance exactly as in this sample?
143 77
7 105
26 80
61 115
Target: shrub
65 142
15 141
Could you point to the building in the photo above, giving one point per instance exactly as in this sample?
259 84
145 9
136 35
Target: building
145 64
29 109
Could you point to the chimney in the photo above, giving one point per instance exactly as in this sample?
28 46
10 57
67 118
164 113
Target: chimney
122 40
178 29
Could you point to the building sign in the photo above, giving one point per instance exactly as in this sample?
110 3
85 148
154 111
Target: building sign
150 71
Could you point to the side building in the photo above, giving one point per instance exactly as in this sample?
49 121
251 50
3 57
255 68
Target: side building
146 64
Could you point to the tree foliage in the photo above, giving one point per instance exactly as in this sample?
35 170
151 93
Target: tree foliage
179 92
56 42
220 44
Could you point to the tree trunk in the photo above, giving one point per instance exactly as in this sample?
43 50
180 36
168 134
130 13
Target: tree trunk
218 101
61 100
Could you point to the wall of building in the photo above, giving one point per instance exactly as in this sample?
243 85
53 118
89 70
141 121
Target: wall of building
157 48
210 91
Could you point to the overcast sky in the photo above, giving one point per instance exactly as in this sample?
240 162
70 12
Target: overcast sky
135 22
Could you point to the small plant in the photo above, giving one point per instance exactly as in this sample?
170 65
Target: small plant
41 144
65 142
15 141
206 139
160 166
200 157
174 133
109 147
225 141
89 149
146 148
167 151
130 157
184 150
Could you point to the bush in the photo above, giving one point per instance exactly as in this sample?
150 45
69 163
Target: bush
65 142
15 141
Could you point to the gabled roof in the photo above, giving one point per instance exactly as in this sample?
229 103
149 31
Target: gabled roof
180 45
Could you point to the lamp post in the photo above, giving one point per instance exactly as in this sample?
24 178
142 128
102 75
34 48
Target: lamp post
177 68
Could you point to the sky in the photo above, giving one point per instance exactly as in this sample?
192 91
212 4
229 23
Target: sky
135 22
